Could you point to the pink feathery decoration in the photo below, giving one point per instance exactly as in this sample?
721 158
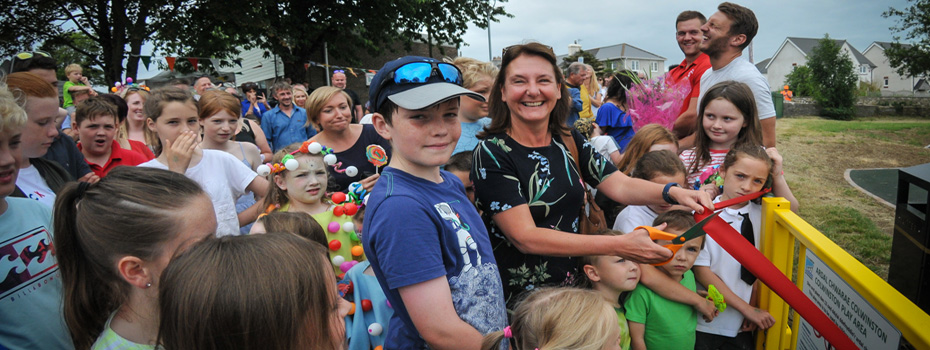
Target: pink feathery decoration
656 101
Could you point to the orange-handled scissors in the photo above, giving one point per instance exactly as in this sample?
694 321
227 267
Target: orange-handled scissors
677 240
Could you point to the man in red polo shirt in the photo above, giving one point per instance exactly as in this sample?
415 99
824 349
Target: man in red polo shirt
95 122
689 36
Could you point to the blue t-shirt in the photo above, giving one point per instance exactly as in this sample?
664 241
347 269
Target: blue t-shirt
281 130
616 123
30 288
468 141
416 231
258 111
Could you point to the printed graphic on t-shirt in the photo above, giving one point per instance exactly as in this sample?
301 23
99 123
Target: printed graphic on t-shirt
24 260
36 195
476 290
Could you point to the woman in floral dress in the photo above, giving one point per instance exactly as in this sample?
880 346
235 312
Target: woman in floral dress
528 185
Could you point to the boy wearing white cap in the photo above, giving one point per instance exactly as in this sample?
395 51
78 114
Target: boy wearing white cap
425 241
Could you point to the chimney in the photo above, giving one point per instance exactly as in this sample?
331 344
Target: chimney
573 48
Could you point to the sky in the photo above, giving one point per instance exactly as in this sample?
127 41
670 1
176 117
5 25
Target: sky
650 24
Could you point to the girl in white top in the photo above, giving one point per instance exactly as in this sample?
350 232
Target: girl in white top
746 169
172 114
219 114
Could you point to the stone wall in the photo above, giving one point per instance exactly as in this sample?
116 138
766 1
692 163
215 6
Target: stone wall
866 107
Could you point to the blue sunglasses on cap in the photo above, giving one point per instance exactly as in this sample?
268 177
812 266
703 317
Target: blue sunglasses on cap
421 72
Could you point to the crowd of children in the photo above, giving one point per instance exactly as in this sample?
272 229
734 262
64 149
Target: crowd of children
158 248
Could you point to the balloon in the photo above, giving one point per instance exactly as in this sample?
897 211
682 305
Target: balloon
264 170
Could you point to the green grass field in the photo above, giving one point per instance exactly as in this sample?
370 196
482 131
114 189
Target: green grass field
818 151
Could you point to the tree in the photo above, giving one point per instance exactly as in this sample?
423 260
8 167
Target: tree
111 25
910 60
66 55
588 59
296 30
800 81
832 72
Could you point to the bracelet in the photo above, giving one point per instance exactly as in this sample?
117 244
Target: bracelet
668 199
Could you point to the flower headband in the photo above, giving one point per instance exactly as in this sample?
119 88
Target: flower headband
128 85
308 147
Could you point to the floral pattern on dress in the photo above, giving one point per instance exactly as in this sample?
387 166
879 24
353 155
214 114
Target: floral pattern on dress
545 179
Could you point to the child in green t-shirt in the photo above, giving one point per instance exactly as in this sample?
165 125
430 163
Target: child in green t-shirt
76 82
657 322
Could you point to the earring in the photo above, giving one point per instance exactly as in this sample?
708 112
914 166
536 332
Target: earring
147 285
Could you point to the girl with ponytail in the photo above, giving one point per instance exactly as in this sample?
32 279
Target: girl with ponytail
113 239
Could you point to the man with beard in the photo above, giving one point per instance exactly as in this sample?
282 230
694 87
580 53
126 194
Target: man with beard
726 33
286 123
689 36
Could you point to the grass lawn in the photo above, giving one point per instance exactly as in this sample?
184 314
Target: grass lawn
818 151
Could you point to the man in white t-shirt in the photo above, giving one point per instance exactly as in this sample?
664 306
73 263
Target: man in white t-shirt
726 33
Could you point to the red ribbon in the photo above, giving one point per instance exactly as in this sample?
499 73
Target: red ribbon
759 265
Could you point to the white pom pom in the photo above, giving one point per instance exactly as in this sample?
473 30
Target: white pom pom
118 84
348 227
338 260
330 159
314 147
291 164
375 329
351 171
264 170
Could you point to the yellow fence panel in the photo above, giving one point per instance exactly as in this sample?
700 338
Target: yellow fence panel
871 312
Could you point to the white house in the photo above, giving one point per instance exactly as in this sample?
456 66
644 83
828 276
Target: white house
624 56
889 81
257 68
794 51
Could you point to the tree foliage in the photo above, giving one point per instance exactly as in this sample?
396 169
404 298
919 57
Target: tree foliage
294 30
800 81
588 59
297 30
66 55
914 21
116 28
834 78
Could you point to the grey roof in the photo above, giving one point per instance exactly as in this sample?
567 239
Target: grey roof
886 44
807 45
761 65
619 51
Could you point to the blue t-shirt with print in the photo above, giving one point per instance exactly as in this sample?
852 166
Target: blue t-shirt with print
416 231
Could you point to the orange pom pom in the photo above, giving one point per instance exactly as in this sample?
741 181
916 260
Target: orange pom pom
358 250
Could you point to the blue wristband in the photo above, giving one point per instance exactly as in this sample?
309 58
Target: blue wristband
668 199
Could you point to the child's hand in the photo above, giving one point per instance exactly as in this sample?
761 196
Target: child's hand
180 152
707 308
777 159
369 182
757 318
711 189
